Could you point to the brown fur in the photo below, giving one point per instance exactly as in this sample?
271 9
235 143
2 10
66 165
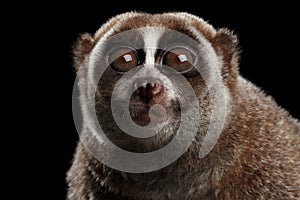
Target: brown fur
256 157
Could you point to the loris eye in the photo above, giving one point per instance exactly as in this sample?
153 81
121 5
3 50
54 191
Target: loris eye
180 58
123 59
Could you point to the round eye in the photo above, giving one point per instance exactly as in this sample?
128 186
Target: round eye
181 59
123 59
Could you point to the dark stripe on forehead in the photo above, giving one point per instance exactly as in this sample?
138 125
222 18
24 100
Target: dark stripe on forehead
133 38
137 20
167 21
175 21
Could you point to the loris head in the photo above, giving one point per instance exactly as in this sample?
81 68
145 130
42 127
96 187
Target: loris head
149 72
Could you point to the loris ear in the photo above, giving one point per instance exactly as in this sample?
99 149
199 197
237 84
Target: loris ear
83 47
226 46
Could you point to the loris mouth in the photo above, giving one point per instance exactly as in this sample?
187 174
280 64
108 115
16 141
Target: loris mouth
144 114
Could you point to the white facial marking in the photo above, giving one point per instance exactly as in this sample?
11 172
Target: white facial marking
151 37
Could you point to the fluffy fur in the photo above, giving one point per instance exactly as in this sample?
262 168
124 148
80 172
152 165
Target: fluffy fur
256 157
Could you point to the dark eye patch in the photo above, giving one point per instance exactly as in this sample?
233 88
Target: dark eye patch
179 58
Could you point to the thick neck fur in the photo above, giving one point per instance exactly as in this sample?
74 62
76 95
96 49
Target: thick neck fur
249 157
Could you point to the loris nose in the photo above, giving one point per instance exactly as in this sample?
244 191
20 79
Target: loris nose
149 89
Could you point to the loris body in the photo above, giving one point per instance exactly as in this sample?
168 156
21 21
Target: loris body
257 155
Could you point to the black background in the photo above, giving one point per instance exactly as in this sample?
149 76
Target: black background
269 58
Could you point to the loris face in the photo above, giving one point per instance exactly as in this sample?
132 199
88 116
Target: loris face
149 71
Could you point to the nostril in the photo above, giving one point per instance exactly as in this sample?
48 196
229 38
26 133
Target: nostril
148 88
156 88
